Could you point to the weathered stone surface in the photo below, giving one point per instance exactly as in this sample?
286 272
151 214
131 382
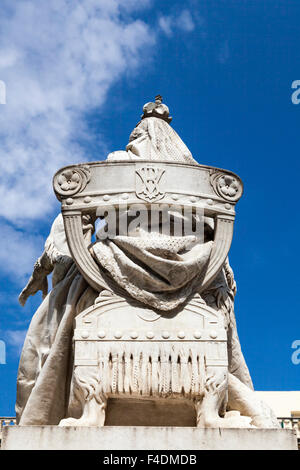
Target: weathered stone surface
150 314
146 438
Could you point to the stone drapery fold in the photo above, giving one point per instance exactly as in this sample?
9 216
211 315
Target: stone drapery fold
161 272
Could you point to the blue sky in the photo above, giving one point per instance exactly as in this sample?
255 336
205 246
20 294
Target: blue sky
77 75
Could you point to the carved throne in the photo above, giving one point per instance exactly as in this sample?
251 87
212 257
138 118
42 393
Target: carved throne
122 349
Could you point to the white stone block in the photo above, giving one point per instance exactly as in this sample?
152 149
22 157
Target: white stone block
145 438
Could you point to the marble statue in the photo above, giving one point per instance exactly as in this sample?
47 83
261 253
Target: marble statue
143 314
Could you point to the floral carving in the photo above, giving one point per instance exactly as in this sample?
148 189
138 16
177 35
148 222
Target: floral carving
227 186
70 181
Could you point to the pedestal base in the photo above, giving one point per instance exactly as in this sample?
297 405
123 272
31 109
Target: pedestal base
145 438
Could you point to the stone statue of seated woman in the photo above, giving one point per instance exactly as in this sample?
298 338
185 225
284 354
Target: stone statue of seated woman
152 279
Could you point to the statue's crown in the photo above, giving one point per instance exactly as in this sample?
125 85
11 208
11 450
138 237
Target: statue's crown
157 109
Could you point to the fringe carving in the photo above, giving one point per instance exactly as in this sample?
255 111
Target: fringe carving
156 369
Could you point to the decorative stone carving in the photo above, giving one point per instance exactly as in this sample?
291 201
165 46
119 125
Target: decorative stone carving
153 312
157 109
149 187
165 182
227 186
71 180
136 363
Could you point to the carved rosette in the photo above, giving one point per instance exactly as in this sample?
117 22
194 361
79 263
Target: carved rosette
228 186
70 181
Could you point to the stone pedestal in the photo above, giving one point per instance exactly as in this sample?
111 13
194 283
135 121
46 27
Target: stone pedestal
145 438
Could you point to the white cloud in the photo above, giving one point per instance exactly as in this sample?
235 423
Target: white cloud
165 23
170 23
18 251
58 61
15 338
185 21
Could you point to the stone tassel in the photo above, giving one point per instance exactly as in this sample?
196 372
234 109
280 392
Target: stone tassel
149 373
127 371
175 388
114 369
121 371
185 373
135 369
194 371
144 389
202 374
101 367
155 371
106 369
164 370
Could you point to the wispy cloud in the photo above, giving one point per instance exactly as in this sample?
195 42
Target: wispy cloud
58 61
169 24
15 339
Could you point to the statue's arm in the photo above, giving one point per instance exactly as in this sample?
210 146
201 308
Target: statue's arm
56 256
38 280
55 250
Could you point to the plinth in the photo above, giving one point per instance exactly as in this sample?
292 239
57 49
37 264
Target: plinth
145 438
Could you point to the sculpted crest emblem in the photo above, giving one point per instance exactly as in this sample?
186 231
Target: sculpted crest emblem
149 182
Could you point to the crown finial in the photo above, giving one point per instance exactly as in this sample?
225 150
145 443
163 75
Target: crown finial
157 109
